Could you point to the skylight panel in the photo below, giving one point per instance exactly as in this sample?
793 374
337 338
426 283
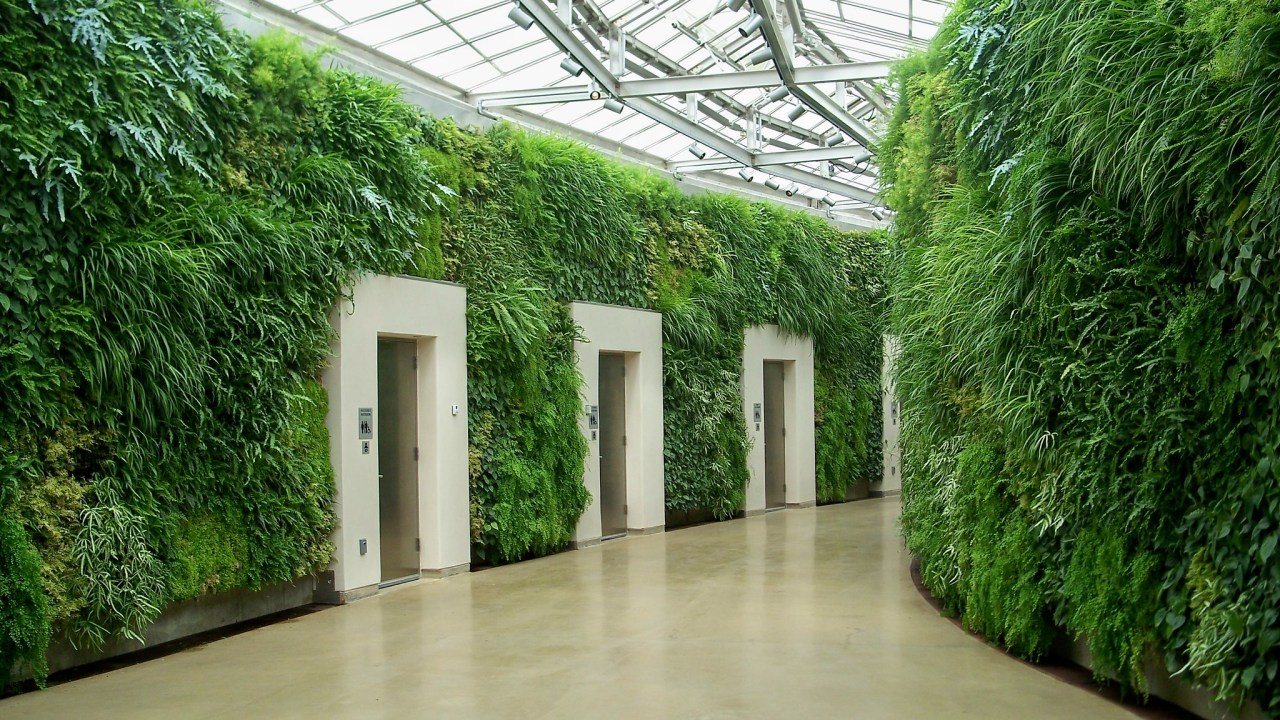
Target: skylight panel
382 28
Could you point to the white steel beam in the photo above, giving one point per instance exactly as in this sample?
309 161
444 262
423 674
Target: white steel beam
715 82
816 100
852 153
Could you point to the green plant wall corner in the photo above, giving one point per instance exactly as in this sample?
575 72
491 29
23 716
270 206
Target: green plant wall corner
1084 281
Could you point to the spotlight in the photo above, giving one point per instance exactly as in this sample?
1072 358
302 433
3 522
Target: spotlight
773 183
736 5
520 17
835 140
613 105
792 190
829 200
745 174
751 25
697 151
877 214
571 66
832 169
778 93
596 95
763 55
795 113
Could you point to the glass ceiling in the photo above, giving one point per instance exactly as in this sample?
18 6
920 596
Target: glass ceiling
475 46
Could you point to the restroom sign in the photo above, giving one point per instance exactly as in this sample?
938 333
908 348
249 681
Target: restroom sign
366 423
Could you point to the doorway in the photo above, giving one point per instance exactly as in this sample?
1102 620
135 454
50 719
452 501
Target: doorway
397 438
775 435
613 445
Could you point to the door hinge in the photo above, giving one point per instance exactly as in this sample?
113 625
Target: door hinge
625 511
784 432
624 441
415 454
417 544
415 362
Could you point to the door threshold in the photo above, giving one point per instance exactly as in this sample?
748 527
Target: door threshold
615 536
398 581
775 509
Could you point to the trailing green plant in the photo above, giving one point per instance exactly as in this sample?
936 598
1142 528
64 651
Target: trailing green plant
1083 282
181 208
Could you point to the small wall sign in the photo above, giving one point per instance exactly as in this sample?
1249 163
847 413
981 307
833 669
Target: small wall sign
366 423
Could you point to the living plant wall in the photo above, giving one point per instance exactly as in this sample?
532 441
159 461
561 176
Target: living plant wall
1085 283
182 206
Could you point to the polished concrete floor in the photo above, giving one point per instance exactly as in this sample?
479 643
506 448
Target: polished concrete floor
796 614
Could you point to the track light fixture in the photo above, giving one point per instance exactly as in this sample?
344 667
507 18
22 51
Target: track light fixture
792 190
697 151
779 93
596 94
829 200
571 66
750 25
520 17
835 140
746 174
613 105
763 55
736 5
773 183
796 112
877 214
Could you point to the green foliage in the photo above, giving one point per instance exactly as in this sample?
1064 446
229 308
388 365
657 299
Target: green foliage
1083 282
185 206
539 221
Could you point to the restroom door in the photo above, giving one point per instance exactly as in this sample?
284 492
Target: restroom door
398 459
775 435
613 445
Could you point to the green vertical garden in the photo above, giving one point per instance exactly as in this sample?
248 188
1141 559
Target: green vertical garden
181 207
1084 278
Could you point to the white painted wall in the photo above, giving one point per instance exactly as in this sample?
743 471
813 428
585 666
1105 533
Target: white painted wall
891 481
638 334
435 315
767 342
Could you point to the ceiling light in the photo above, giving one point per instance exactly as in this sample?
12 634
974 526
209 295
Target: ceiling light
877 214
830 200
613 105
763 55
778 93
795 113
746 174
792 190
773 183
571 66
596 95
736 5
697 151
835 140
520 17
751 25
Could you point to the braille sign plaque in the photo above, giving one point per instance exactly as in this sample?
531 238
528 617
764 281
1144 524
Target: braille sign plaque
757 412
366 423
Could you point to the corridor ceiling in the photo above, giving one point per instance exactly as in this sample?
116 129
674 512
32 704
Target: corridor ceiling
791 92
